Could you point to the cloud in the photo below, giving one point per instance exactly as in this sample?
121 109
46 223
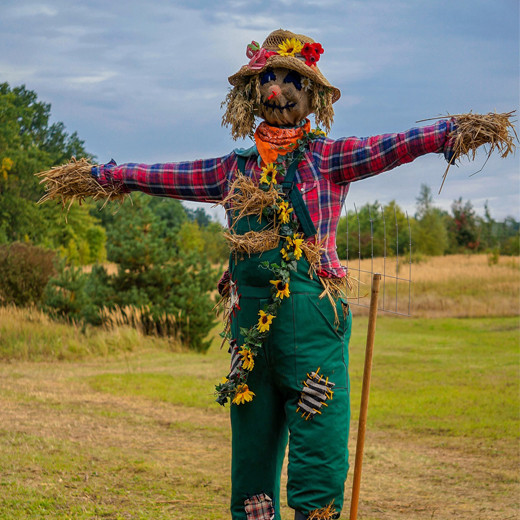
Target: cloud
144 81
30 10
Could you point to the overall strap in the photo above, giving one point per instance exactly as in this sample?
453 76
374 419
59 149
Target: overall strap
289 186
241 160
300 208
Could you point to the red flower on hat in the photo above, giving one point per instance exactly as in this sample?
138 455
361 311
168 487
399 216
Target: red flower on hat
311 52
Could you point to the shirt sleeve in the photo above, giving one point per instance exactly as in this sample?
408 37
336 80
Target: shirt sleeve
204 180
352 158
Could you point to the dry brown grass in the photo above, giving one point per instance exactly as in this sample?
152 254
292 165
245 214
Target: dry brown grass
113 455
459 286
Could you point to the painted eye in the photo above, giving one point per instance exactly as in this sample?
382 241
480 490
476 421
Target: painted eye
267 76
294 78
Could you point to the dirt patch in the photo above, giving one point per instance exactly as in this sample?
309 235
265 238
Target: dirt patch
180 456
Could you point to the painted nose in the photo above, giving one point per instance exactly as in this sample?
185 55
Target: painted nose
275 91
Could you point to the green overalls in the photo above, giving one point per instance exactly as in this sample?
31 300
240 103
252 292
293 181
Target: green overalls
303 338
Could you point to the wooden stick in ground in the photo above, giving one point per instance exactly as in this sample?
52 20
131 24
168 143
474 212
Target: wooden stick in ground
362 425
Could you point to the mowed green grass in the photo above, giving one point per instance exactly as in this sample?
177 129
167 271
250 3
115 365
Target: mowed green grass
457 377
454 377
136 435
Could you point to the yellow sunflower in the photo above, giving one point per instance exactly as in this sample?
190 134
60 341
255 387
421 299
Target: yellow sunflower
297 243
264 322
319 131
269 171
290 47
285 255
282 288
243 395
248 359
284 211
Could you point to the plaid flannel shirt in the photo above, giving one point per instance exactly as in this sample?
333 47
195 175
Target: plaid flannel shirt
323 176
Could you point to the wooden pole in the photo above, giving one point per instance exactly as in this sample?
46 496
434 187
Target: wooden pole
362 425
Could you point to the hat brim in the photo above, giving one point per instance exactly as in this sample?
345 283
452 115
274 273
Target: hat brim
287 62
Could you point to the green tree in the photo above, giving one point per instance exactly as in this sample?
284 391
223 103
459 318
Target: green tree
465 233
373 230
430 236
156 274
199 216
215 246
190 238
30 143
65 295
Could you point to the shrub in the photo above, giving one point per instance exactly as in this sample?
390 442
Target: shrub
24 272
65 296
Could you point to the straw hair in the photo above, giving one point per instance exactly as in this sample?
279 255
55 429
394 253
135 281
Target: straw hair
474 130
74 182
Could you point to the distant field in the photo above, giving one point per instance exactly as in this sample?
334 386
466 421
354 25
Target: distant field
109 424
462 286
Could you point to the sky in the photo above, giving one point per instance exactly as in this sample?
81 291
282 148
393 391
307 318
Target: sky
143 81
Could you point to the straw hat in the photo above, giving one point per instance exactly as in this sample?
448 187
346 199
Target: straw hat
270 55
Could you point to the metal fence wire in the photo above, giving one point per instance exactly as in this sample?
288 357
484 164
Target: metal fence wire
394 265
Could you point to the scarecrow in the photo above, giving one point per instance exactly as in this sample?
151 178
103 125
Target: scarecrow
288 322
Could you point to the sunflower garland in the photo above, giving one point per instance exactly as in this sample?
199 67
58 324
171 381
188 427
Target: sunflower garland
234 387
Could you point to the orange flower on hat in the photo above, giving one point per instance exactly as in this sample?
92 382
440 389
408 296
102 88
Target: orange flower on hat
290 47
282 288
243 395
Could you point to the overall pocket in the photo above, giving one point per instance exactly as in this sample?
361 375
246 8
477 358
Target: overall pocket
319 343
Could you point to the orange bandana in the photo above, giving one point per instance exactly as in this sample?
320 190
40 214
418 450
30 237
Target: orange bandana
272 141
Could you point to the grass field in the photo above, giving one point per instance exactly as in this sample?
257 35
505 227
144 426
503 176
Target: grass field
462 286
112 425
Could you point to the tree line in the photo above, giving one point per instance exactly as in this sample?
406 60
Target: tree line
376 230
165 258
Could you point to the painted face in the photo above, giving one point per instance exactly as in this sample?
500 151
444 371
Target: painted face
284 99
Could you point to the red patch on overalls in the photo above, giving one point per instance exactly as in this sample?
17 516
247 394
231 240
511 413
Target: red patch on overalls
259 507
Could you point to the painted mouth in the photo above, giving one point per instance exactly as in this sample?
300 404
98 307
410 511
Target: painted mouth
274 106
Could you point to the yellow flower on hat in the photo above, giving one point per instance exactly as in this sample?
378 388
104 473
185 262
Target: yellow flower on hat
269 170
290 47
248 359
264 322
243 395
282 288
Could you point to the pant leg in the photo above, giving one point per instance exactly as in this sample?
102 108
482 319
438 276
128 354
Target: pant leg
259 429
318 447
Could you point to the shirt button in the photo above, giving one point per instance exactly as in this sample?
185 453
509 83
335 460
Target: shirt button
301 189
